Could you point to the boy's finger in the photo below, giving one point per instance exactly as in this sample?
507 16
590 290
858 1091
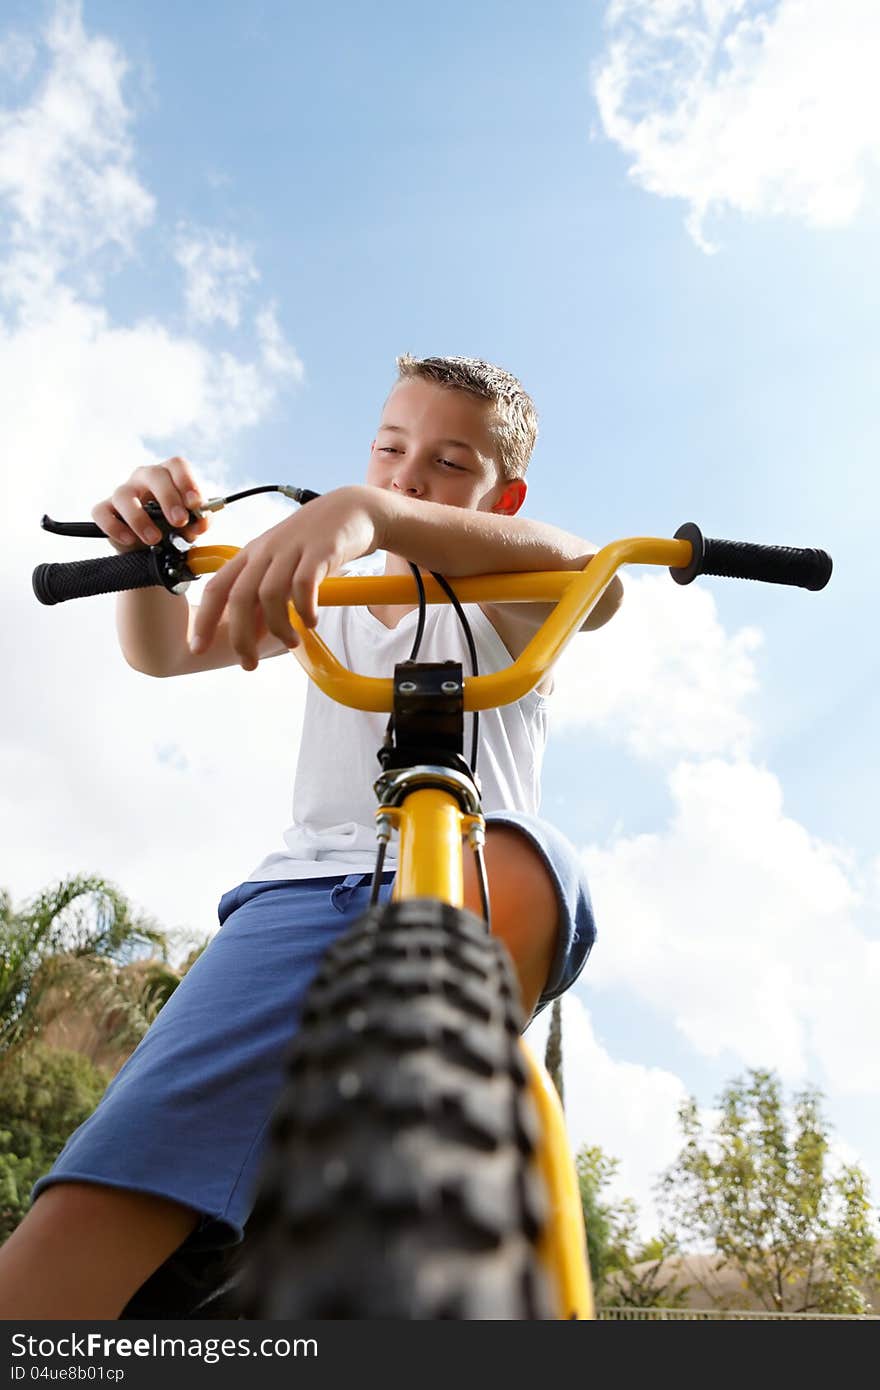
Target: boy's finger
113 525
245 634
274 598
187 488
172 507
145 528
305 592
210 610
242 607
129 507
196 528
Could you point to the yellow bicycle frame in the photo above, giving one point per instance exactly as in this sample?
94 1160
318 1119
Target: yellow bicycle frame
431 824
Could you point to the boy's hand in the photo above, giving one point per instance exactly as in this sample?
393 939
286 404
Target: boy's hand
122 517
287 563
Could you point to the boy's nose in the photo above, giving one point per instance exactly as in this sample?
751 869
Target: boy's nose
409 484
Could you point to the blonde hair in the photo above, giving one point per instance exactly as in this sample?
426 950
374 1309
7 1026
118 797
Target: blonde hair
515 420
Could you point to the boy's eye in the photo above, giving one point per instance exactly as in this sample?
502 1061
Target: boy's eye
447 463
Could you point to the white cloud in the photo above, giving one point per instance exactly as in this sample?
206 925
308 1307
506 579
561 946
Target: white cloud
629 1110
738 927
277 354
83 786
765 107
17 55
664 678
218 271
175 789
874 886
66 161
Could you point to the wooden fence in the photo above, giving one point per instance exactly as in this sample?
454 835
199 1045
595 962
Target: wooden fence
738 1315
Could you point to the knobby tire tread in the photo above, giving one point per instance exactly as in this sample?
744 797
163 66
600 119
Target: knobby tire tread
399 1180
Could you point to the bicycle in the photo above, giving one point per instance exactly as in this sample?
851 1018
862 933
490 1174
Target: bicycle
418 1163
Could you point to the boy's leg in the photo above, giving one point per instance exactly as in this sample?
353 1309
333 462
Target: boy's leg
525 909
187 1112
83 1249
185 1116
540 902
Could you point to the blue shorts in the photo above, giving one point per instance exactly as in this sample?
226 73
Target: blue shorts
187 1115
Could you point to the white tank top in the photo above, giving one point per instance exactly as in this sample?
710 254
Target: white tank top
333 829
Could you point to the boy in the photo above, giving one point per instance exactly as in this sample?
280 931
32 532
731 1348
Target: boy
170 1157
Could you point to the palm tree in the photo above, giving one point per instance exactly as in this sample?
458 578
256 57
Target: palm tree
553 1052
82 975
70 944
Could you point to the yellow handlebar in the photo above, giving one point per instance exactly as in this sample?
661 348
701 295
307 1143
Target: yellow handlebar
576 593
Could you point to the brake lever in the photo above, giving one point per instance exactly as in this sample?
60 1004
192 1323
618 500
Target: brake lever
91 529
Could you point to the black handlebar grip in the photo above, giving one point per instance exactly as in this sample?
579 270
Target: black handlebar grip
56 583
771 564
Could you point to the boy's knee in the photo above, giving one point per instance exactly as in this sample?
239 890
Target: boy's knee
520 877
524 905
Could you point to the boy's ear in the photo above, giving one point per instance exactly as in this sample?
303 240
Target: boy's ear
512 498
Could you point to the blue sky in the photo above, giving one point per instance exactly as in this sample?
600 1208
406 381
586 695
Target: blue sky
677 260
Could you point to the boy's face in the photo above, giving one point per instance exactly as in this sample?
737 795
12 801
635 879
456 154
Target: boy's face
434 444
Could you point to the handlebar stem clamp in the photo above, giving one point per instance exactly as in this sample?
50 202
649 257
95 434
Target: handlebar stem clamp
428 715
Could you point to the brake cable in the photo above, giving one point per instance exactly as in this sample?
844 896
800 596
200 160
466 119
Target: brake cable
297 494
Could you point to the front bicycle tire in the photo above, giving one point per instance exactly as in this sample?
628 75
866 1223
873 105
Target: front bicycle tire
400 1179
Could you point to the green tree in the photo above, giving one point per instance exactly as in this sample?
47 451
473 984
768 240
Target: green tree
608 1224
120 1002
78 949
625 1271
73 930
44 1095
760 1192
645 1280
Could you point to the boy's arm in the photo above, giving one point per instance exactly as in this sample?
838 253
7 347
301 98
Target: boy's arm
154 628
499 545
474 542
291 560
